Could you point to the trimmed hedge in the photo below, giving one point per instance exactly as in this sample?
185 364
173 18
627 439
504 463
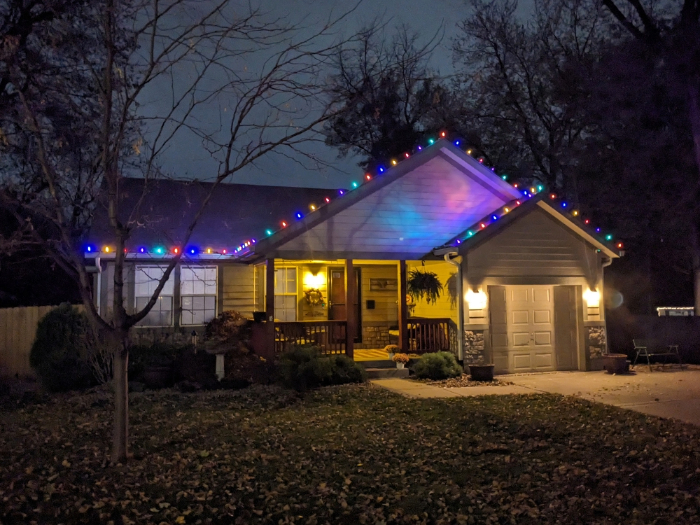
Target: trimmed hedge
304 368
438 365
59 352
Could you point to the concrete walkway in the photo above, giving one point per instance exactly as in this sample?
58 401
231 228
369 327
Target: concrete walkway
410 388
669 393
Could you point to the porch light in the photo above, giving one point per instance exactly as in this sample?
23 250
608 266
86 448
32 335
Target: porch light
476 300
592 298
314 281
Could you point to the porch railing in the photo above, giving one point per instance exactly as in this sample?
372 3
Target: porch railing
430 335
329 336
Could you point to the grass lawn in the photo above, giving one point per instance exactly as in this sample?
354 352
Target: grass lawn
355 454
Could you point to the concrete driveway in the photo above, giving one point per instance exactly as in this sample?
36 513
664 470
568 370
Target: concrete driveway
668 392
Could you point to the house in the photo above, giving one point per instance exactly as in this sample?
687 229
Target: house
522 272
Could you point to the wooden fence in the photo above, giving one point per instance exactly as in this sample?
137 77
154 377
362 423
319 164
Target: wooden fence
17 331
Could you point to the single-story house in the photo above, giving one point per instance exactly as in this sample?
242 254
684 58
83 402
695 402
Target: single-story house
522 272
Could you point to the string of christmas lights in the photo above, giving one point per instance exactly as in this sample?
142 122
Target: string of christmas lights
245 246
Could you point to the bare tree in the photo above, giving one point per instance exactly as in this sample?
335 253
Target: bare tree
521 82
74 75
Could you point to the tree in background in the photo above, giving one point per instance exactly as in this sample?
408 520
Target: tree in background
667 41
385 93
75 119
521 82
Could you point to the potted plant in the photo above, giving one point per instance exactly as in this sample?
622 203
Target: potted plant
423 284
400 360
391 350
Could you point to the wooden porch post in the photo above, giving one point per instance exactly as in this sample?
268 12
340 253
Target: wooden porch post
270 306
403 309
351 315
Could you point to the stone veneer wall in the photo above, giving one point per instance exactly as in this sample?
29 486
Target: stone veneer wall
474 347
376 337
595 341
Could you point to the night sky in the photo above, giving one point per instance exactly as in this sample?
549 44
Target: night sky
185 158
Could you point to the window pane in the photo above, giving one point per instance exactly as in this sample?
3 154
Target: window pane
210 303
186 287
279 281
210 288
198 317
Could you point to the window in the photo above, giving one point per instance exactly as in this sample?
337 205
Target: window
146 280
198 294
286 294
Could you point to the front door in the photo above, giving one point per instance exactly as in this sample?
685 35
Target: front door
522 328
336 295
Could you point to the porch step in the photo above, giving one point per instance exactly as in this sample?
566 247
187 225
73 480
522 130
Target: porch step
381 373
382 363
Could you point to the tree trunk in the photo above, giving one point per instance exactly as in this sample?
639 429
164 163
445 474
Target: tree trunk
120 442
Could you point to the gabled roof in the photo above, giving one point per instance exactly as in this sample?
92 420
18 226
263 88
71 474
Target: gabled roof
423 200
492 224
236 212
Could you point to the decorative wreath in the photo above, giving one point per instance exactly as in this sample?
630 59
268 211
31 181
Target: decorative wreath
314 297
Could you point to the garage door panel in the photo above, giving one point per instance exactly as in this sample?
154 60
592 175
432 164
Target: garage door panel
518 294
543 338
521 317
541 294
522 362
521 338
542 316
543 360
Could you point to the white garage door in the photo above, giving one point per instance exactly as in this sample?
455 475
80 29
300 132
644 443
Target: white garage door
522 328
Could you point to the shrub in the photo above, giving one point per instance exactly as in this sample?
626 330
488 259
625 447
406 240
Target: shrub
438 365
59 353
304 368
228 331
144 358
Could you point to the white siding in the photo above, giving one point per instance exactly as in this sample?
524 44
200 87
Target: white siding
413 214
534 245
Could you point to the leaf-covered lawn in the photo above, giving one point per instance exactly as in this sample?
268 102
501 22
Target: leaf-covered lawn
353 454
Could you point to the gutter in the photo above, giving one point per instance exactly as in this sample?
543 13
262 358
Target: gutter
460 310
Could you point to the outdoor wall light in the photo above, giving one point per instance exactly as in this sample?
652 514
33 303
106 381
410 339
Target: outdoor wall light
476 300
316 281
592 298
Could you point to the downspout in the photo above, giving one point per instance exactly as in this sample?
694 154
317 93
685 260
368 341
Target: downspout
460 302
605 263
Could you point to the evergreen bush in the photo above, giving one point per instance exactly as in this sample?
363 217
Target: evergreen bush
438 365
60 350
304 368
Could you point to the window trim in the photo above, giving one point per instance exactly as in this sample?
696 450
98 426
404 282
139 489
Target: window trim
287 294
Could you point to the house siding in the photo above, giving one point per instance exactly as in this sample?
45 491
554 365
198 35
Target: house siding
433 201
534 245
238 288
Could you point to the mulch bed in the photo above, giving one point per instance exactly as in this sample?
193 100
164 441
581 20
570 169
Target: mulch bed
462 381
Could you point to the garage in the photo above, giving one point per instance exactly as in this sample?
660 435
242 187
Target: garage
533 328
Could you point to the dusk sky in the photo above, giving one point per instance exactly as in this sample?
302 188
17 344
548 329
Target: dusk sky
185 158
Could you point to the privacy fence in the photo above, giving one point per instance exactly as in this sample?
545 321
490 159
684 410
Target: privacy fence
17 331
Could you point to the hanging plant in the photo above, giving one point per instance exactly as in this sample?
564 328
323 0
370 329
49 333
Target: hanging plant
423 285
451 285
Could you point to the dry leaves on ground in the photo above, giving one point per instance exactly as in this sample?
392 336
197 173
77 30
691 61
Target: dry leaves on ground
354 454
